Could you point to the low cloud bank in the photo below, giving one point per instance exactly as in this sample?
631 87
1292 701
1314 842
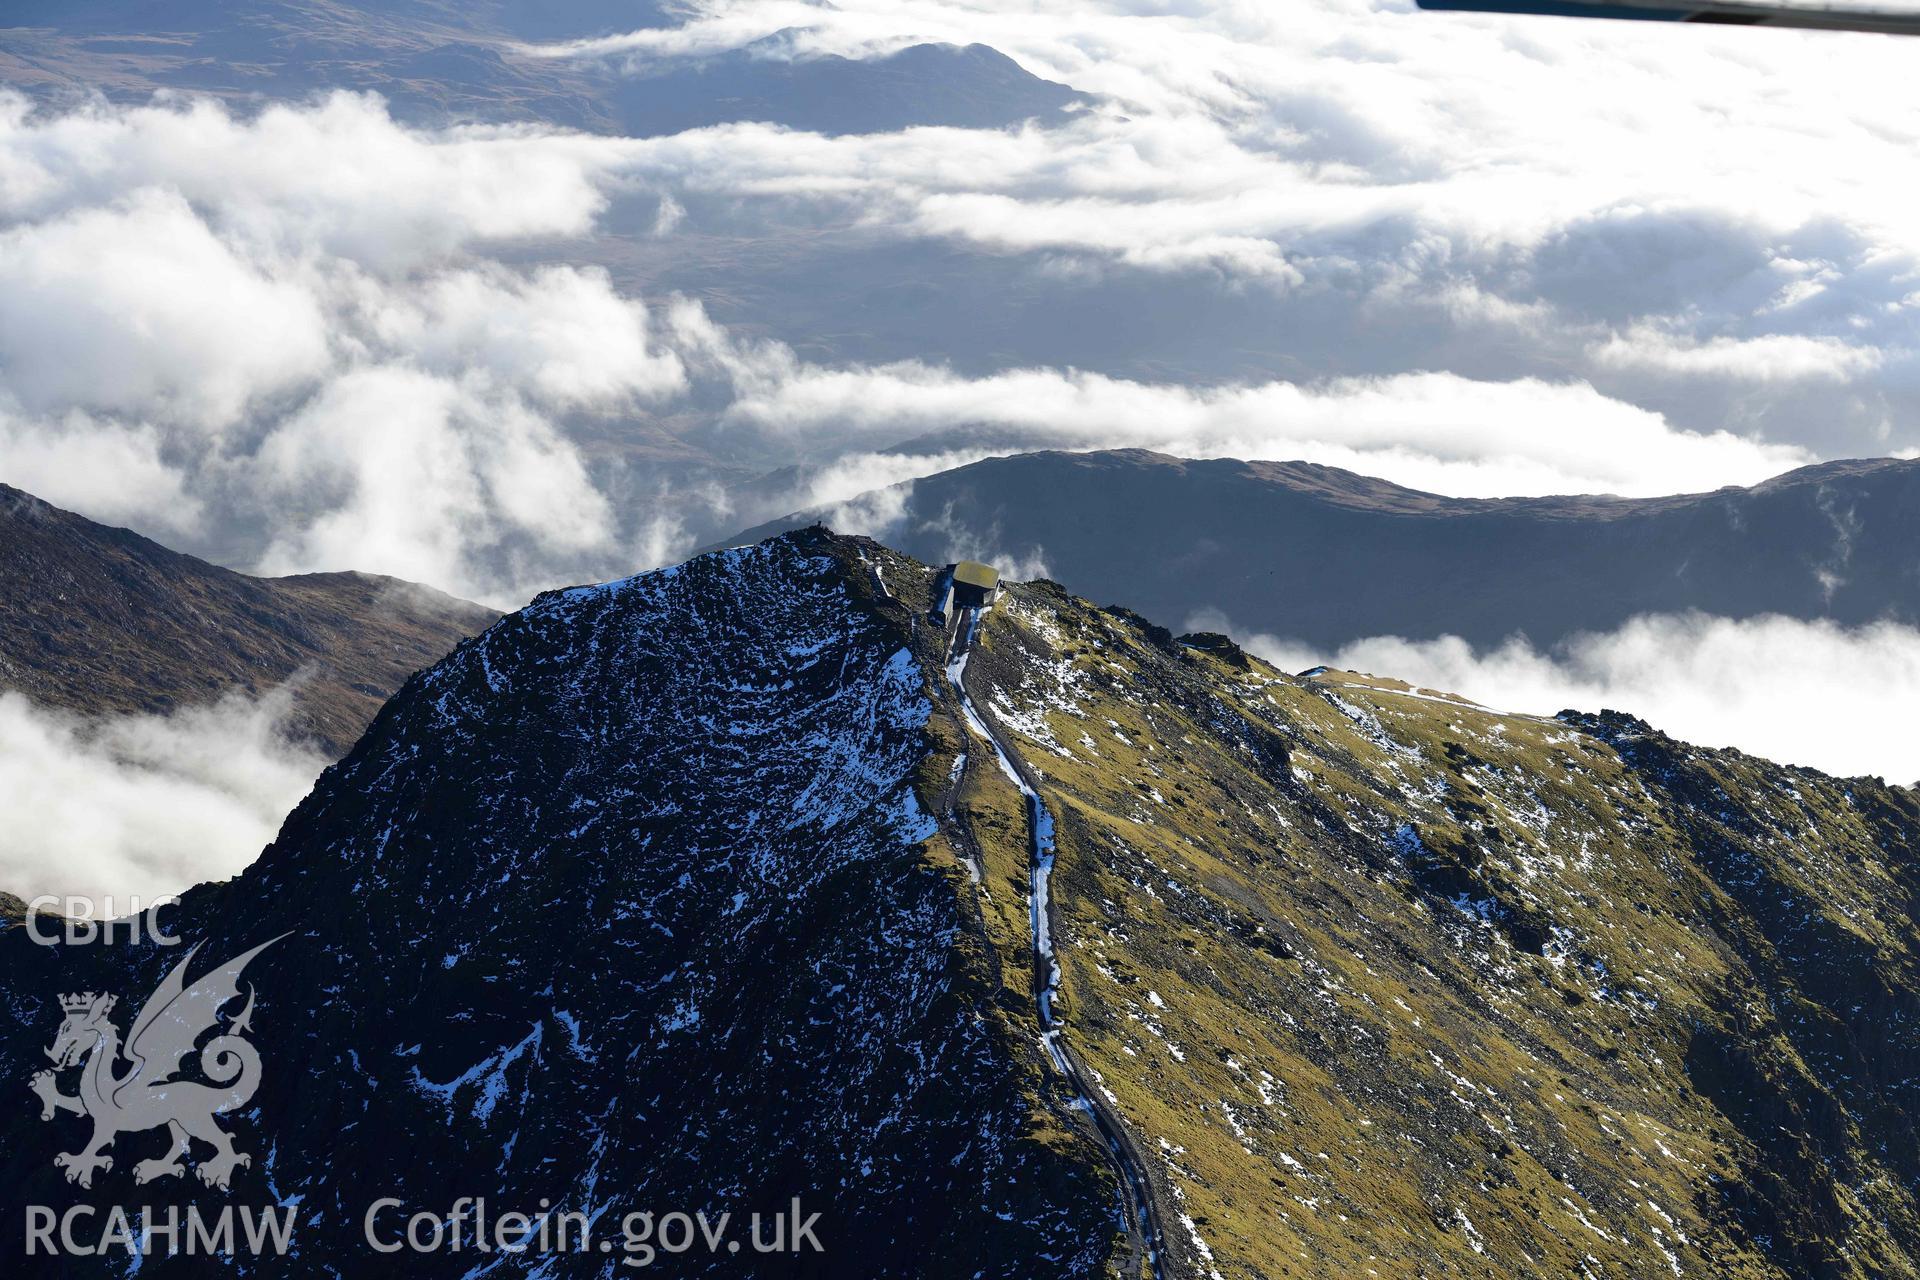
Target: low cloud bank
1433 431
1697 226
143 804
1807 693
295 323
348 361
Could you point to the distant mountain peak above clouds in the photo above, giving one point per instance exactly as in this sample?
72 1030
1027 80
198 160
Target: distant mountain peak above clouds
443 64
1339 483
1326 556
961 86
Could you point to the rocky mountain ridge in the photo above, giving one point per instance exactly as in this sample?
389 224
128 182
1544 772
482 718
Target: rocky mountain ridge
730 884
99 620
1175 537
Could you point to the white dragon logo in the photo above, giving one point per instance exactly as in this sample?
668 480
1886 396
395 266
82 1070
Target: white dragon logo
148 1094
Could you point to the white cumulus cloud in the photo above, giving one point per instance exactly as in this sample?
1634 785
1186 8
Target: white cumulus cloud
292 323
139 308
1797 692
143 804
1434 431
1681 218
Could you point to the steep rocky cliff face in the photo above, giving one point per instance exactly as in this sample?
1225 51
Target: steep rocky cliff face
1077 950
628 905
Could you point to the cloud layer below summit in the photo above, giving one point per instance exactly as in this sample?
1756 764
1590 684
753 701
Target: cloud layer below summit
1477 256
142 805
1805 693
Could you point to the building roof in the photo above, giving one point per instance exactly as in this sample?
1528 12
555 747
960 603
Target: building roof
972 573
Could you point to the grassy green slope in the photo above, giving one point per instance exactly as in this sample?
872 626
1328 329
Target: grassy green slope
1390 984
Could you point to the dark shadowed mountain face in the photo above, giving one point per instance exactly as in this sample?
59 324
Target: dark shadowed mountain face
721 886
1325 556
100 620
440 62
627 906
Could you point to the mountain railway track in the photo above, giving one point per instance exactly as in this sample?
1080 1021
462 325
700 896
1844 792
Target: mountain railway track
1142 1215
